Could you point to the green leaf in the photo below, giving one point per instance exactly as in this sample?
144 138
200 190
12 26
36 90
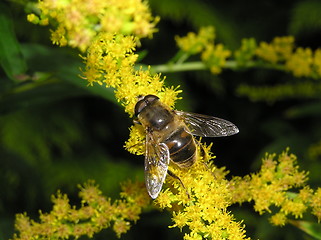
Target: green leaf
38 134
313 229
30 94
65 66
56 76
11 59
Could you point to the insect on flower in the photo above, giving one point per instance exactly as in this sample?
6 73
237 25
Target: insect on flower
169 138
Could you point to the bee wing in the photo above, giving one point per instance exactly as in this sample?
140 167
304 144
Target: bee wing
207 126
156 165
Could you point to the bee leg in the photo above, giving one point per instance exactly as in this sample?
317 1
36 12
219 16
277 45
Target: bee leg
170 173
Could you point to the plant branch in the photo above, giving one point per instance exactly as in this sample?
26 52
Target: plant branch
231 64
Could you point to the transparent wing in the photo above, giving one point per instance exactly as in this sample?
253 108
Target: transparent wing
207 126
156 165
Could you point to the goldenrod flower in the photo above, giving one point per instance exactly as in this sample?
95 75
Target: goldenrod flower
283 46
246 51
300 63
272 186
195 43
215 57
267 52
279 49
315 203
95 213
77 22
110 61
278 219
202 204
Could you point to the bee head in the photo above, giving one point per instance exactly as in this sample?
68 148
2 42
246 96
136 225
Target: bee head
144 101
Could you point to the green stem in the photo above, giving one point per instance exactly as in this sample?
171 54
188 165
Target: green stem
231 64
189 66
179 57
182 58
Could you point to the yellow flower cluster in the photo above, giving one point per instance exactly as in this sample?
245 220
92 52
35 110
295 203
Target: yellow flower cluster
202 204
110 61
302 62
278 50
213 55
279 54
195 43
96 213
199 202
246 51
78 21
271 186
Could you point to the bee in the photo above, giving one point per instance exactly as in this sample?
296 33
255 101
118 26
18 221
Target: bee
169 138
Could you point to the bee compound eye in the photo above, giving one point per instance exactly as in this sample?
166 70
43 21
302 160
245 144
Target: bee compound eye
150 98
140 105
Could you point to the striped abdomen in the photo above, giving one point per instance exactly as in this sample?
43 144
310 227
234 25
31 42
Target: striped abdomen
182 147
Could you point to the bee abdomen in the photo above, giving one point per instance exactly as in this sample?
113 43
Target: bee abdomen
181 147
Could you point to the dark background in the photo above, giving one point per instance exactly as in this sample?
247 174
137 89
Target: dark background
61 133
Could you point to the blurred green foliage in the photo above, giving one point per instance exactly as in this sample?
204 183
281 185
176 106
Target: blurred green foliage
55 132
